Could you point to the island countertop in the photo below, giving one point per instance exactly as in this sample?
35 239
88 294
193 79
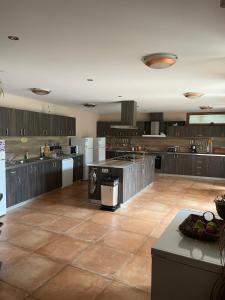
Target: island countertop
113 163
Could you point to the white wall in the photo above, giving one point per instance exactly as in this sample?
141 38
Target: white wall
174 116
85 120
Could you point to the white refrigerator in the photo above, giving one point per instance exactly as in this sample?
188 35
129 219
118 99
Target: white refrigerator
99 145
85 147
2 179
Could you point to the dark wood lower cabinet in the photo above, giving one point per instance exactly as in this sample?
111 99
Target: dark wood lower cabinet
138 176
195 165
28 181
78 168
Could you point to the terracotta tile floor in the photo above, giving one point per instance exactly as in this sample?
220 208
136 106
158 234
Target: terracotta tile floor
62 247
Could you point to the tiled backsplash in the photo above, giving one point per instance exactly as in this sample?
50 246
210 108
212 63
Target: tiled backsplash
16 147
162 144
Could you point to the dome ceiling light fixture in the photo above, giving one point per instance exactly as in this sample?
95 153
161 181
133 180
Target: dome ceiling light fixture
160 60
40 92
193 95
13 38
205 107
89 105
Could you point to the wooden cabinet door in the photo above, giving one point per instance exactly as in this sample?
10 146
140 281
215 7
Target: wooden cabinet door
21 122
199 165
78 168
216 166
7 122
17 185
170 164
35 177
11 187
58 173
71 126
139 177
141 128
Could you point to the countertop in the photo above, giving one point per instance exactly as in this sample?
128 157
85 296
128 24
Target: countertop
173 245
113 163
166 152
188 153
36 160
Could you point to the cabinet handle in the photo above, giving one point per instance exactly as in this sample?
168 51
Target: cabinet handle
12 172
7 131
18 180
21 131
24 132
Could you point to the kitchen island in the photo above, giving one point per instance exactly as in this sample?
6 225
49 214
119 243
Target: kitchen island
186 268
134 174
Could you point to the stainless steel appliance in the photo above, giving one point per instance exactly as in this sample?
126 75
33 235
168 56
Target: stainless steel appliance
158 162
173 148
193 149
128 157
69 149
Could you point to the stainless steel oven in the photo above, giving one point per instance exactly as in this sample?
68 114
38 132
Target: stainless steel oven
158 162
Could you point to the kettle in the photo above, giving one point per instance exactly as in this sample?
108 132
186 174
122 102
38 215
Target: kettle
193 149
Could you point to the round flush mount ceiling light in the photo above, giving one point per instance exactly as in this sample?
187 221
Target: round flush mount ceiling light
89 105
13 38
40 92
205 107
193 95
160 60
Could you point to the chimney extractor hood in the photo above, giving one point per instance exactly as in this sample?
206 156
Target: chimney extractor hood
128 115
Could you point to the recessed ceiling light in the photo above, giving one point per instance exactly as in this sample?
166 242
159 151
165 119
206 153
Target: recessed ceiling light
160 60
90 79
89 105
13 38
193 95
40 92
206 107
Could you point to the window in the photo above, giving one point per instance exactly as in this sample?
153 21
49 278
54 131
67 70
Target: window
206 118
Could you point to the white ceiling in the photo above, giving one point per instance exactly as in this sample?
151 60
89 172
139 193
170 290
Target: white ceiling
62 43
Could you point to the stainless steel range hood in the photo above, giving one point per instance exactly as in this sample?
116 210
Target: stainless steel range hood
128 115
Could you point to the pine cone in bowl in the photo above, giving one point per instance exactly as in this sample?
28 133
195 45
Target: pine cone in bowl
220 206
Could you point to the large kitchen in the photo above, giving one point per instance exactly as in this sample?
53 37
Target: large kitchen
112 150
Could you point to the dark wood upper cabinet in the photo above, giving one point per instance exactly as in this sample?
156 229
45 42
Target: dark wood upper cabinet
16 122
196 131
158 116
7 122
